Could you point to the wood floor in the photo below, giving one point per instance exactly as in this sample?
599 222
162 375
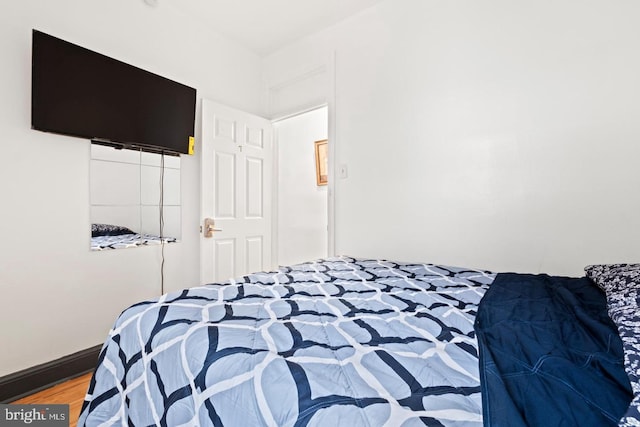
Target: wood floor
71 392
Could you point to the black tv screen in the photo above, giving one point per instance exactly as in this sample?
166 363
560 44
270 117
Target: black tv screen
78 92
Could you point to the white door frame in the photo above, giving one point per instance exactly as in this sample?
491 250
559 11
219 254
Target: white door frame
330 103
333 144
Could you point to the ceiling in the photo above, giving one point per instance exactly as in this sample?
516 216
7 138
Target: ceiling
264 26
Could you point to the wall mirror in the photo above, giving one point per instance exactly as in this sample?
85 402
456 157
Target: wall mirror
135 198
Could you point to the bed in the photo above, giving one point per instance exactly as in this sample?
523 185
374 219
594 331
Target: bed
107 236
355 342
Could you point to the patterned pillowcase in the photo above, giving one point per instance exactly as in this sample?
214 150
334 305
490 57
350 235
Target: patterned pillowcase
621 283
109 230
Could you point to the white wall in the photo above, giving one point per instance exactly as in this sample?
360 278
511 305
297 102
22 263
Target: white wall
495 134
302 204
57 296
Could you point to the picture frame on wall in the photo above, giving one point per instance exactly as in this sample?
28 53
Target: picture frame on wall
322 168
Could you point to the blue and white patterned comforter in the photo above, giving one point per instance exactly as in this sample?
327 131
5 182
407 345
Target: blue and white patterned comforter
621 284
122 241
337 342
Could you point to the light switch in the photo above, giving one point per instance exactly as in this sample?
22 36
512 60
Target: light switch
343 172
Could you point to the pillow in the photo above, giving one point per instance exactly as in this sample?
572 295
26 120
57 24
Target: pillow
109 230
621 284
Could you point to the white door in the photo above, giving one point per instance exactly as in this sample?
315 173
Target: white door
237 151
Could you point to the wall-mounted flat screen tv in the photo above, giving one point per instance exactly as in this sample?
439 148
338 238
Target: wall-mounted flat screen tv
81 93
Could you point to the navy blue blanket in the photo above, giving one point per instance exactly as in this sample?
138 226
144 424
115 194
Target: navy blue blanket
549 354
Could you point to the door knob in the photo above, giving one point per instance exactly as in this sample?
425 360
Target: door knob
209 227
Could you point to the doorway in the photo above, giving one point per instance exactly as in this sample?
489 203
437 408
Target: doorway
302 204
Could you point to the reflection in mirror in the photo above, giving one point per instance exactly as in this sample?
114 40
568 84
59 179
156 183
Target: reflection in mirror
135 198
